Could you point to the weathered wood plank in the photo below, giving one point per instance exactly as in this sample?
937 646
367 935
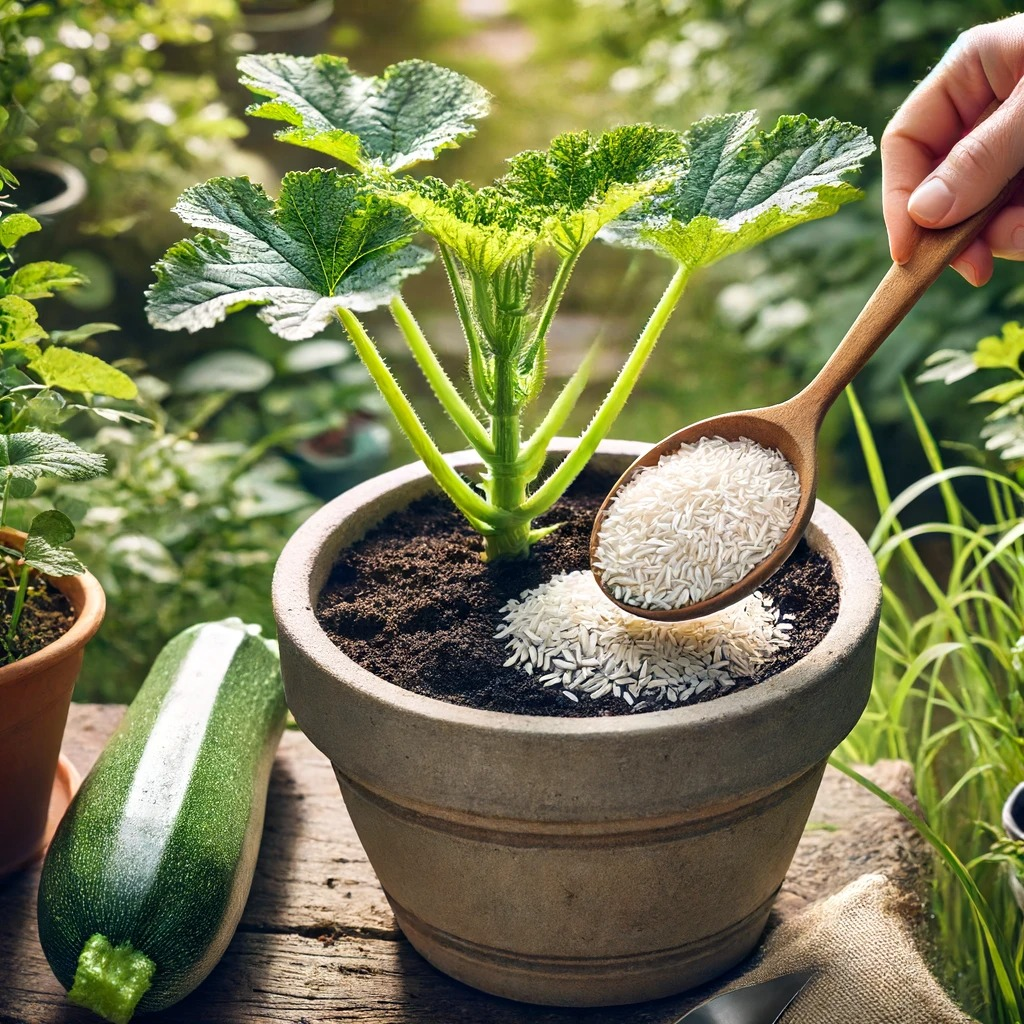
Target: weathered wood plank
318 944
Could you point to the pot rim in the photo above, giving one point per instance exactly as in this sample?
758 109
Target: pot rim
294 599
76 186
89 602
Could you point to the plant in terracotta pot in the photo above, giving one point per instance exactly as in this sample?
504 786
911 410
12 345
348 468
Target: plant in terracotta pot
51 606
554 831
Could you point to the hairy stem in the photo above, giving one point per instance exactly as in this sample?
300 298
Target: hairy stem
477 365
451 401
479 512
505 482
555 293
554 487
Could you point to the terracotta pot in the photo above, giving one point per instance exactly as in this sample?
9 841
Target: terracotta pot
34 697
574 862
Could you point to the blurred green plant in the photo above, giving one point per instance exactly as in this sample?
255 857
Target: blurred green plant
42 381
99 94
181 529
948 697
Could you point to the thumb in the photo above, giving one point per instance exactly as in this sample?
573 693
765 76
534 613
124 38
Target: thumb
975 170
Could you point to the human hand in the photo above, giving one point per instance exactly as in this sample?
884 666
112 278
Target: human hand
939 165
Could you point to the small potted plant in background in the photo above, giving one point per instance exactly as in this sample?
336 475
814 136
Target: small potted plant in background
313 401
51 605
554 859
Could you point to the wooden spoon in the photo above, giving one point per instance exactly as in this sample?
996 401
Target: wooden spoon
792 427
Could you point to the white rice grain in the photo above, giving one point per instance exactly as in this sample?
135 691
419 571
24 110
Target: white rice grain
695 523
607 650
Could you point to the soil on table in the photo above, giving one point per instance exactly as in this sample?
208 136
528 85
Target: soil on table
413 603
46 616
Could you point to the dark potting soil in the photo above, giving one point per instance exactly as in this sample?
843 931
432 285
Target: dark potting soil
413 603
46 616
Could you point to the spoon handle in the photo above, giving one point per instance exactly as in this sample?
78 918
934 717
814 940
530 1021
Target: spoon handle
894 297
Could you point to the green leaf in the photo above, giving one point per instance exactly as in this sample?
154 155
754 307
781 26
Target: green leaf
41 280
327 243
45 545
580 183
226 371
1003 352
22 488
83 333
486 228
1001 392
19 321
410 113
739 186
33 453
15 226
18 353
72 370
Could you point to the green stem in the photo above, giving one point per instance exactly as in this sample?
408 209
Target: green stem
554 487
505 482
451 401
534 451
3 500
477 364
110 980
555 293
19 603
479 512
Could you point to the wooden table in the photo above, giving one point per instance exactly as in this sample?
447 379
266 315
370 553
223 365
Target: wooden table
318 943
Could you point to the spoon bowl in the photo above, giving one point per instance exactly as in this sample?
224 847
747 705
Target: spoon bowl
781 427
792 427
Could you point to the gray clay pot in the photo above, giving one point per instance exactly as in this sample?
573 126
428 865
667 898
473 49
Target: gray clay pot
574 862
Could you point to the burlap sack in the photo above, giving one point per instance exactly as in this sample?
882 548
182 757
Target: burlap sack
869 969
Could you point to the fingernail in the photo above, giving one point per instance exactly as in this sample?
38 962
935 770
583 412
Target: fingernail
931 202
966 269
1017 238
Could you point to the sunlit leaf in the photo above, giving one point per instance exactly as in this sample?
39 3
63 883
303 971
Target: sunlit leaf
72 370
41 280
326 243
410 113
19 321
16 226
739 186
1002 352
581 183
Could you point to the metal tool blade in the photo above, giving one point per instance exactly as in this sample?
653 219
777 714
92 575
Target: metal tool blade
763 1003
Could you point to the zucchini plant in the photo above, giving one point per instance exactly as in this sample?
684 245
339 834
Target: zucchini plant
337 244
43 380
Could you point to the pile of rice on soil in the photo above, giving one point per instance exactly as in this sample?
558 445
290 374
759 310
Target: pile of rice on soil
695 523
413 603
569 635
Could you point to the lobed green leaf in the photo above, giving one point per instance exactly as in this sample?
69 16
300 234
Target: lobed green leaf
738 187
1003 351
581 183
410 113
327 243
19 321
485 228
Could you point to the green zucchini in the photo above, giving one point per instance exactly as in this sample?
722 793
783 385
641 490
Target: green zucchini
146 878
